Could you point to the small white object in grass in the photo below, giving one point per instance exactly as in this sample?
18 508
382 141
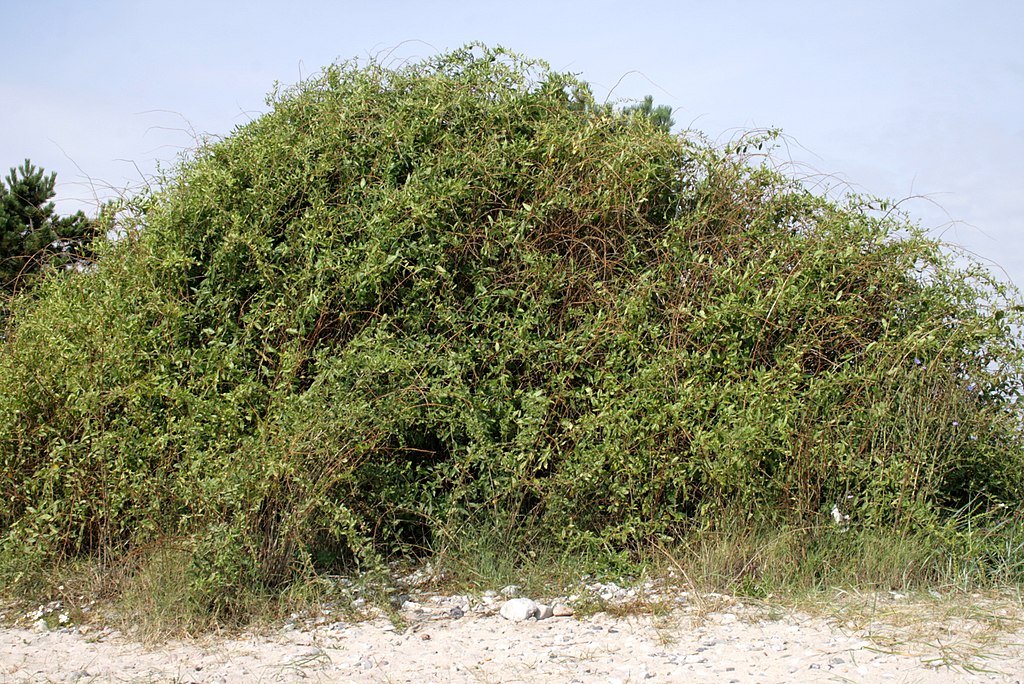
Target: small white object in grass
838 516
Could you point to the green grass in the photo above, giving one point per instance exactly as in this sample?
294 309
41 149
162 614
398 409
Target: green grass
907 587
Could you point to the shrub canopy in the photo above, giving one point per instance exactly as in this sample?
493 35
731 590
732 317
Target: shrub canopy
460 295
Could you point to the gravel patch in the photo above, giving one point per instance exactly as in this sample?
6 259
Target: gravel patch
503 636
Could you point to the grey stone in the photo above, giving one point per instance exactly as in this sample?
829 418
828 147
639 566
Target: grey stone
412 607
518 609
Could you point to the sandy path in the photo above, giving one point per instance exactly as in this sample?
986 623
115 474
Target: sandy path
731 644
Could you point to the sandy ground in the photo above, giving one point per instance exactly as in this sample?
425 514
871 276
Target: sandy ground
727 642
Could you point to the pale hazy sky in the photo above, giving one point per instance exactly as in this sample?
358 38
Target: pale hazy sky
900 99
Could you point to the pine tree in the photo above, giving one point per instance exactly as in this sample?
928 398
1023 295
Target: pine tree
32 235
660 116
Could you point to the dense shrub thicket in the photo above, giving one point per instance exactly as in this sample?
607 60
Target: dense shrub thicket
459 298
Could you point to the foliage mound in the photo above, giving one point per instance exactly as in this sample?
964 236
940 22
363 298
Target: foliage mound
411 308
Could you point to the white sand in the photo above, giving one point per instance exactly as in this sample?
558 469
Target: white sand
732 643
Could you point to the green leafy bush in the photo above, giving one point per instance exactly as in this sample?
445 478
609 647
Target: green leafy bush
408 306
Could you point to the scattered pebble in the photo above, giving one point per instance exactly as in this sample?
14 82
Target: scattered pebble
518 609
496 637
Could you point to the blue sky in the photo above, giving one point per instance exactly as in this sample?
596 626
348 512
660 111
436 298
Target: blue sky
918 100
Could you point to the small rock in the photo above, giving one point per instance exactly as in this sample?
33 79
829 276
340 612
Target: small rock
562 610
544 611
306 655
456 612
518 609
512 591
